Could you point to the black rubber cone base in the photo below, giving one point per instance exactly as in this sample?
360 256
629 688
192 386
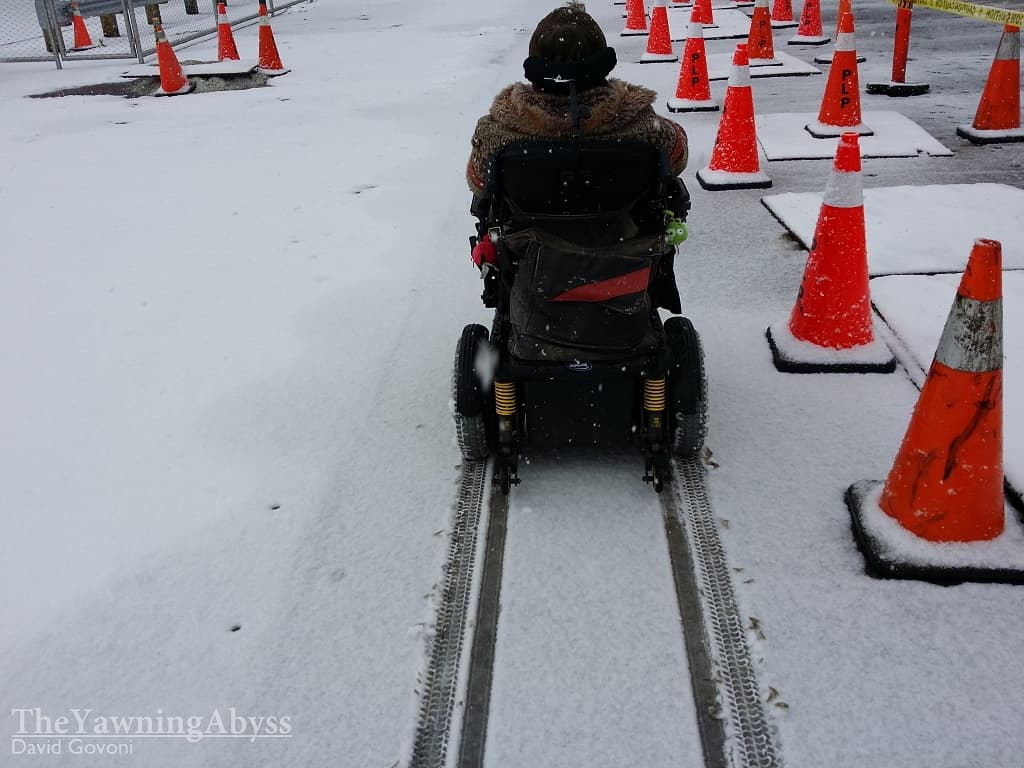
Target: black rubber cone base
834 132
788 365
692 107
976 136
883 563
897 89
734 181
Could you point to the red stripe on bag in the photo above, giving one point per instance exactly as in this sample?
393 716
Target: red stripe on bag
623 285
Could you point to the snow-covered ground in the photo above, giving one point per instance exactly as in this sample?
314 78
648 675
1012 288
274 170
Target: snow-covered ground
229 463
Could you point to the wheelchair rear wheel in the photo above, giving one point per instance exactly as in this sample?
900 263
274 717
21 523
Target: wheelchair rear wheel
688 386
471 401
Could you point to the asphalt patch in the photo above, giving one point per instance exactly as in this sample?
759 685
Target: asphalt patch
148 86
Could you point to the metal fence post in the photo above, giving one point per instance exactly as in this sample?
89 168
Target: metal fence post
53 34
133 30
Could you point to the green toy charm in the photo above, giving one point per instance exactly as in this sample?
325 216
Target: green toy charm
675 229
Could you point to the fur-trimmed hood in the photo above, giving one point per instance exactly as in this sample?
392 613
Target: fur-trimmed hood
613 107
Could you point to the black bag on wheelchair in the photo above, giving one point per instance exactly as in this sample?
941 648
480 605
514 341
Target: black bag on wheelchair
582 234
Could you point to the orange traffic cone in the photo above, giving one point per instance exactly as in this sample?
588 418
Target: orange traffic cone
225 39
82 39
703 13
840 106
782 13
830 328
734 159
636 18
946 483
809 31
693 90
845 6
659 41
172 77
760 46
269 59
898 85
998 116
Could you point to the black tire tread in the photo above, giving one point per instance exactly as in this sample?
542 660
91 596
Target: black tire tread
469 400
688 385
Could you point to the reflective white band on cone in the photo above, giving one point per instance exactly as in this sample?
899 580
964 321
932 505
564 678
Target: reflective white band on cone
844 190
740 76
845 42
960 349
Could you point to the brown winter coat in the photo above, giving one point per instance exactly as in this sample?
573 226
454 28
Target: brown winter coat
618 110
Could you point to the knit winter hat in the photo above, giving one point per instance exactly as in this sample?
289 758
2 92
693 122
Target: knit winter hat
568 45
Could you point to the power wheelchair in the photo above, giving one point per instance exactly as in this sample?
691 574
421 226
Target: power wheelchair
577 353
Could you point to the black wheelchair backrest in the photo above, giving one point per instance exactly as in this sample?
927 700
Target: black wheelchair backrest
577 178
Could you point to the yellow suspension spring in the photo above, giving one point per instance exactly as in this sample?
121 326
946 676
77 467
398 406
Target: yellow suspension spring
654 394
505 398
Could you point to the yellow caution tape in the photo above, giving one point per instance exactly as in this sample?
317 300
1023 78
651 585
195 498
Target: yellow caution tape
974 11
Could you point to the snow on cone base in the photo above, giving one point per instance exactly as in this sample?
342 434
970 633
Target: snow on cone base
998 117
693 89
691 105
721 180
636 19
826 58
831 327
659 41
735 163
793 355
840 104
809 31
942 508
892 552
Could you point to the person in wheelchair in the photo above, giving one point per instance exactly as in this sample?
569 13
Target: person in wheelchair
579 204
568 49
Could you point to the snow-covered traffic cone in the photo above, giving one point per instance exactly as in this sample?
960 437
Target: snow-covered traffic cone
840 105
809 31
898 85
782 14
830 328
82 39
693 90
734 159
760 45
172 78
946 483
845 6
226 49
998 116
703 12
659 41
636 18
269 61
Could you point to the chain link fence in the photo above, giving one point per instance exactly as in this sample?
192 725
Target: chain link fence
43 30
